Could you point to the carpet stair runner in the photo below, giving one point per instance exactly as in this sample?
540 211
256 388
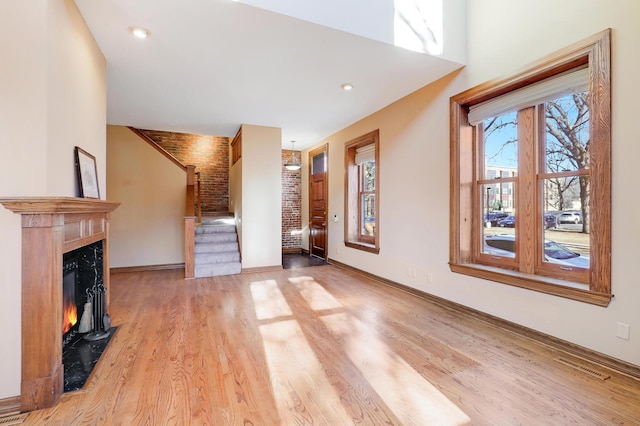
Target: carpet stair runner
216 249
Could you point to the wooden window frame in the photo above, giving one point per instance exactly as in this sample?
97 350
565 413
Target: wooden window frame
236 147
353 237
465 222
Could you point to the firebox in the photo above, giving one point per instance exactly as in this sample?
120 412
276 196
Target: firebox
69 285
86 325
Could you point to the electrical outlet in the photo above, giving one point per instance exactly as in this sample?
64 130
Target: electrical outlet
429 277
623 331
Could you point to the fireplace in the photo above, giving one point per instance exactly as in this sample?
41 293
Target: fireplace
51 227
86 325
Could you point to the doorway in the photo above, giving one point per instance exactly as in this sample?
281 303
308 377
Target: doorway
318 200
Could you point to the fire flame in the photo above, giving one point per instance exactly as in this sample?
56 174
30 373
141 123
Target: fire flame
70 316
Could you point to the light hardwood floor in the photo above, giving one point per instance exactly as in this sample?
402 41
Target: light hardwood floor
325 346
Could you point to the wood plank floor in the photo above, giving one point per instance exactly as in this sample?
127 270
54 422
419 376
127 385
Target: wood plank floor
323 346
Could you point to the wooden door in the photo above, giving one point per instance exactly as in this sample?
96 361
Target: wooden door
318 198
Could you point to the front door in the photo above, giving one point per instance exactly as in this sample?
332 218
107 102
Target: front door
318 195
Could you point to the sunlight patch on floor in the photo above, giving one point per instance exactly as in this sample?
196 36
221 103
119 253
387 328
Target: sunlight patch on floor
316 296
411 397
293 366
268 300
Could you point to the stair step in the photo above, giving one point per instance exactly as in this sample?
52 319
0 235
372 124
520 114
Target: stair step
218 220
215 247
211 229
217 257
217 269
217 237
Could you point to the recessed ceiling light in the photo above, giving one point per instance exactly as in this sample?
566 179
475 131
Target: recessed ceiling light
140 32
346 86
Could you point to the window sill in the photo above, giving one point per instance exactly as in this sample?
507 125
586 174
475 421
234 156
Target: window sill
569 290
362 246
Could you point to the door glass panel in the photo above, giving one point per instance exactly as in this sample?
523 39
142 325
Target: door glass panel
318 164
565 222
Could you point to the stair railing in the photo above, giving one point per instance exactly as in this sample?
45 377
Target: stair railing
198 197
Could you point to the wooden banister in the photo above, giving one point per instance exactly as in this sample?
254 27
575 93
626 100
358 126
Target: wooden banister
157 147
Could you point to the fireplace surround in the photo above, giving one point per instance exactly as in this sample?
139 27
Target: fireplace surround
51 226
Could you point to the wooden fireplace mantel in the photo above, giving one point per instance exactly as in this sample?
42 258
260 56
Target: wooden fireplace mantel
50 205
51 226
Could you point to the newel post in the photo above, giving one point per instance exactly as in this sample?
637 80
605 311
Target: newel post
191 182
190 224
189 246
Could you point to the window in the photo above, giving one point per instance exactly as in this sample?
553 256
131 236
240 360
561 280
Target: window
531 176
362 224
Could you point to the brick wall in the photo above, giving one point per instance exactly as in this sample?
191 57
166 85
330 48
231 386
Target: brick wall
210 155
291 204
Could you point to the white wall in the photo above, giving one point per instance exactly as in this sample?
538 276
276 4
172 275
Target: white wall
261 196
148 227
77 99
39 126
235 196
502 36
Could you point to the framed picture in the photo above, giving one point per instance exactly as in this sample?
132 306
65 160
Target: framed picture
87 174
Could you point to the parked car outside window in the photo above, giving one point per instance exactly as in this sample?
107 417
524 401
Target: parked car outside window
494 217
504 245
551 220
507 222
572 216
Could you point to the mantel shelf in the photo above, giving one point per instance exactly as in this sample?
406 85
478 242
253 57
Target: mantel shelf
53 205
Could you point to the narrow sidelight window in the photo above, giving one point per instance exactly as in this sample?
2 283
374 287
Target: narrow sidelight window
362 225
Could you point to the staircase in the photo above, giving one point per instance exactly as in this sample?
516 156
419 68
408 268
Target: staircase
216 248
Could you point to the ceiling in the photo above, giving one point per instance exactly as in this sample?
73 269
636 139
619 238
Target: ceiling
211 65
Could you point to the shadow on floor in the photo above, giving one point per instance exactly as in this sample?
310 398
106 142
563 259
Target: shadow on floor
300 260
